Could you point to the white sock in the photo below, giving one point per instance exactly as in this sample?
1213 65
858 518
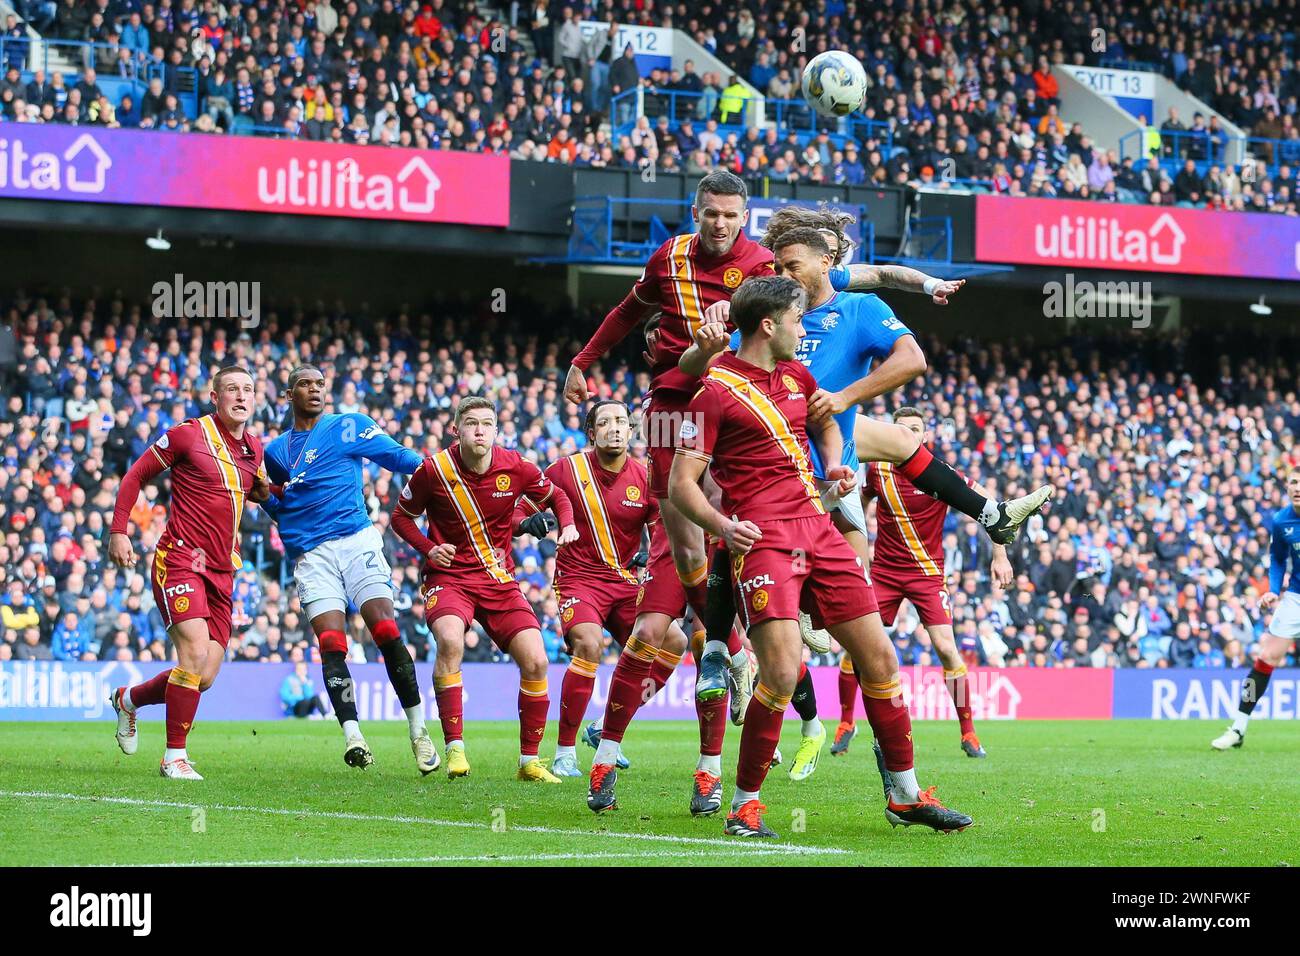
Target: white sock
742 797
989 516
565 752
903 785
170 754
351 729
415 720
716 647
811 728
456 743
1241 722
525 758
606 752
127 703
710 764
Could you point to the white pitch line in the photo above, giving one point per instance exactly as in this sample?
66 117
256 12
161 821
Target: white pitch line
472 858
426 821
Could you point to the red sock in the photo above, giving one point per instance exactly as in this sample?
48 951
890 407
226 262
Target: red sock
712 719
575 695
734 646
627 688
956 681
182 698
534 702
447 691
758 740
890 722
848 691
152 691
697 590
662 668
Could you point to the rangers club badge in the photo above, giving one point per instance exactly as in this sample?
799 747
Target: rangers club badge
830 321
182 605
503 482
311 455
731 278
759 600
633 493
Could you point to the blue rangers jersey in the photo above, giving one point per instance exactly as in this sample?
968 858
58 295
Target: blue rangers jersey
1285 544
320 470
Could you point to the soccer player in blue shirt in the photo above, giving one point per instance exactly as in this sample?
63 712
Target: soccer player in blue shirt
1284 628
338 554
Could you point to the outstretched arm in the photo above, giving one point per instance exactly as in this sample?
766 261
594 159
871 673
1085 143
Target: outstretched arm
861 277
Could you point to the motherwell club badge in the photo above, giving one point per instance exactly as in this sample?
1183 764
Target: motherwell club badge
732 277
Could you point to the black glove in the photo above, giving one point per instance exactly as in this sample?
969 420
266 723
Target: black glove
639 560
539 525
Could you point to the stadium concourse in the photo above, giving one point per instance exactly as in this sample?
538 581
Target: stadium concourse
1155 558
963 88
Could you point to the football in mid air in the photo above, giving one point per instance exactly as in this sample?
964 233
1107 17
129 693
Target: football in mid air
834 83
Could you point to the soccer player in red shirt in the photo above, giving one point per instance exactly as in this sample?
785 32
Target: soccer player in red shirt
748 422
469 493
908 564
215 466
684 280
595 583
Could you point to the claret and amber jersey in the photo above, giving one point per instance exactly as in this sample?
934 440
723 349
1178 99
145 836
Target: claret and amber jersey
211 473
909 523
683 280
610 510
750 424
474 512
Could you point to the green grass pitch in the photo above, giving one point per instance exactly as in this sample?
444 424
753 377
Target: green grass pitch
1050 793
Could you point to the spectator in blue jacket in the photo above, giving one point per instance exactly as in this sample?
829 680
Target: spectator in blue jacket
298 694
69 641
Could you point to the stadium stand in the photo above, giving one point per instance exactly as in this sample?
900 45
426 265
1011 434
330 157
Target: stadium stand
963 94
1156 558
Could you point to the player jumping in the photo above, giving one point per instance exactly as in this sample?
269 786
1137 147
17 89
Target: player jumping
469 493
338 553
684 279
215 466
748 423
1284 628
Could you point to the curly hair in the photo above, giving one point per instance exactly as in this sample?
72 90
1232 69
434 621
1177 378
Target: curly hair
832 223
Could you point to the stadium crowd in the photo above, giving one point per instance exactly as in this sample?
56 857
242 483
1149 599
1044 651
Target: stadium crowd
1153 555
961 91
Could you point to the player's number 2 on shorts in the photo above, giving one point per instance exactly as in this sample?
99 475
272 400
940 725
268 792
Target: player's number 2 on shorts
372 560
943 599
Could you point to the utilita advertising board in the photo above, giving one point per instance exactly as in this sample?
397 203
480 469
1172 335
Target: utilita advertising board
1091 235
250 174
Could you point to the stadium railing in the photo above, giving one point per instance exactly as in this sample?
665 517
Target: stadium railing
1176 147
70 57
787 116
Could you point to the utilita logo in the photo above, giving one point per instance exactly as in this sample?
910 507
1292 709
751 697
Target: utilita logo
1102 239
345 186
